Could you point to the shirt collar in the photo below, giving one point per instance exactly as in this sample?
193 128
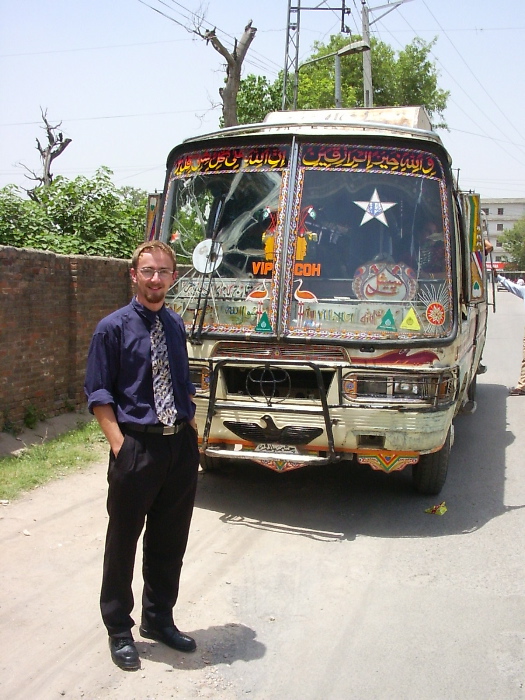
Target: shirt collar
146 313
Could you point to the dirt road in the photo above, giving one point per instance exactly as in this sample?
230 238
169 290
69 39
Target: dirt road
328 583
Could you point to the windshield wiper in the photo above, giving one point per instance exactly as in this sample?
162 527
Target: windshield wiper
204 291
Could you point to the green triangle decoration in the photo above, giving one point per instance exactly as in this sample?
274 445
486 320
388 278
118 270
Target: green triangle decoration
387 322
264 325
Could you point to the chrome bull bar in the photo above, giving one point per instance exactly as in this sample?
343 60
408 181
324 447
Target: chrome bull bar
268 403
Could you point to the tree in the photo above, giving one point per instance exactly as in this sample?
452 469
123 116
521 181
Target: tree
513 241
234 61
417 79
257 96
75 217
56 144
408 78
21 220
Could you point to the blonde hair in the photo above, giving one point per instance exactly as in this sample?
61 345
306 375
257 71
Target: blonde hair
152 245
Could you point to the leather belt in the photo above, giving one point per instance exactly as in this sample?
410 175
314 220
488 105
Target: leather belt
156 429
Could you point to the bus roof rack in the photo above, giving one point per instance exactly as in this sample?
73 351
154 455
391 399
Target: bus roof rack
411 117
411 122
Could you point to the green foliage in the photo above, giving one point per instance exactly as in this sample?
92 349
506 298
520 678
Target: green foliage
189 232
8 426
32 416
417 79
75 217
256 97
38 464
513 241
20 219
408 78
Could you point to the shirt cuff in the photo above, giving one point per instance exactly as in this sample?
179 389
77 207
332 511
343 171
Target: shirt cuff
100 397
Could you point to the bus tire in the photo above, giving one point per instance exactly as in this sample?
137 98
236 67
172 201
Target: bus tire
472 389
210 464
470 404
430 473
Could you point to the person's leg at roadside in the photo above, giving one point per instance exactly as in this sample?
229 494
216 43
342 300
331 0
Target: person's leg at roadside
134 481
165 539
519 389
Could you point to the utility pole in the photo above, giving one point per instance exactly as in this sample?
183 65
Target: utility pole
291 51
291 56
355 47
368 90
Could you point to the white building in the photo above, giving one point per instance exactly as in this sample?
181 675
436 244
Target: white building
501 215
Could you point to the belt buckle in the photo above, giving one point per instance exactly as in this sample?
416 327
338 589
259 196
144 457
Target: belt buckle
170 430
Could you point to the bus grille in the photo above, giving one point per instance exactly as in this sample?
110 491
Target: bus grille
261 351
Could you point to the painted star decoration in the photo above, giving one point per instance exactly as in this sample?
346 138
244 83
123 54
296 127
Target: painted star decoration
375 209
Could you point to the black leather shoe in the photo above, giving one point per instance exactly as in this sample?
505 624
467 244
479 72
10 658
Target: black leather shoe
169 636
124 653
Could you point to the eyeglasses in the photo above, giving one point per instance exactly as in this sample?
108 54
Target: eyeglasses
149 272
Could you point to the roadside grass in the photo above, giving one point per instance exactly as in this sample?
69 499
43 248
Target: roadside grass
56 458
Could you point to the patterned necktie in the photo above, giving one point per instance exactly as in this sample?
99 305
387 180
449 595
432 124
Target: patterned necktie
162 386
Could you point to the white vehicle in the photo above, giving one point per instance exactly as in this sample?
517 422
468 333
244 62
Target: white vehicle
336 300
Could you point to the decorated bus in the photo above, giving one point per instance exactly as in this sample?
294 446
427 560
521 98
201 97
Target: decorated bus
333 287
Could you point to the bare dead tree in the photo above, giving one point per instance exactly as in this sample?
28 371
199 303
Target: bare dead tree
56 144
234 61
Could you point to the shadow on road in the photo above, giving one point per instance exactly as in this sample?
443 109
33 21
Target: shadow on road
345 500
220 644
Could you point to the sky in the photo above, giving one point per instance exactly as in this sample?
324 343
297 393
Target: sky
128 82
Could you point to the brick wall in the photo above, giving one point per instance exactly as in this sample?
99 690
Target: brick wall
49 307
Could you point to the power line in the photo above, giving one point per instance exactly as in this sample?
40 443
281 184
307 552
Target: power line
460 29
155 9
253 58
191 17
115 116
476 103
90 48
90 168
471 71
485 136
261 31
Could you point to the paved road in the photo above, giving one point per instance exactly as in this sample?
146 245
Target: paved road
316 584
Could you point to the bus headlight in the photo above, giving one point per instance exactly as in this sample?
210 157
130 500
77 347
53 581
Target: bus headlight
406 388
200 377
431 388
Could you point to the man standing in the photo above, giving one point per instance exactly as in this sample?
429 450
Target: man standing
519 290
138 388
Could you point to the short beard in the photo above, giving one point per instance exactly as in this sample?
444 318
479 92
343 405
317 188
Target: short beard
154 296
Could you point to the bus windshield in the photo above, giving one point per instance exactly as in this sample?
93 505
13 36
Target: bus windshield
357 246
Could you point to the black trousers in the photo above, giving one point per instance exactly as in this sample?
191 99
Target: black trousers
153 481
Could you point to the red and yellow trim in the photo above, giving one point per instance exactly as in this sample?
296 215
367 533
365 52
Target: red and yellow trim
387 461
